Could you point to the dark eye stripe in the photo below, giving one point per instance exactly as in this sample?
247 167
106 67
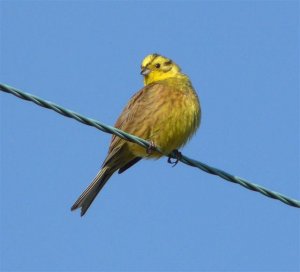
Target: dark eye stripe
168 62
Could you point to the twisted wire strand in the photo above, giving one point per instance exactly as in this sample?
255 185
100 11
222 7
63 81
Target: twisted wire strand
126 136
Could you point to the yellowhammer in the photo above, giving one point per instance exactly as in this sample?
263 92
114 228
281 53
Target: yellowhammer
166 112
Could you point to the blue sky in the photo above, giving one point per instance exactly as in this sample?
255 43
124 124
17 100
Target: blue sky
243 59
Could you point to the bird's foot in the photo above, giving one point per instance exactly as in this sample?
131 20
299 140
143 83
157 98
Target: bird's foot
178 156
151 148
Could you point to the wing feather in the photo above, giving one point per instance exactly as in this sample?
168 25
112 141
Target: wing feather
133 114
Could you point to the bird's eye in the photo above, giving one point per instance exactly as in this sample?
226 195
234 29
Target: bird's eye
157 65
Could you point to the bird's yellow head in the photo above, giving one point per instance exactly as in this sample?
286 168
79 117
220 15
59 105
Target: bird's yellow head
156 67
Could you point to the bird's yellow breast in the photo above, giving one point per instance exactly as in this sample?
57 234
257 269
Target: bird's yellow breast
173 116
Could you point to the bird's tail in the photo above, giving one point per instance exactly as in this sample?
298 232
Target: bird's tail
87 197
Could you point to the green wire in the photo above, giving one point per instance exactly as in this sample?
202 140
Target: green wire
146 144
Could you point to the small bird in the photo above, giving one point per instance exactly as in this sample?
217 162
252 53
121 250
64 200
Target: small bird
166 112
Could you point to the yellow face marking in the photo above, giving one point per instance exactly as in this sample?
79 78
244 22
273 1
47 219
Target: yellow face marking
156 67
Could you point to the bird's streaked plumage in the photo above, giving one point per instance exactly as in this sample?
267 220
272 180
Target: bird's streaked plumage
166 111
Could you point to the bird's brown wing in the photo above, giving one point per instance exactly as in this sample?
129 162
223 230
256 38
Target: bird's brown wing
133 113
130 119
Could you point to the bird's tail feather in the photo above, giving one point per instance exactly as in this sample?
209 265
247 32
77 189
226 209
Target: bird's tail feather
87 197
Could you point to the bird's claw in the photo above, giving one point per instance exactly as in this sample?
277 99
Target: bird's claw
177 155
151 148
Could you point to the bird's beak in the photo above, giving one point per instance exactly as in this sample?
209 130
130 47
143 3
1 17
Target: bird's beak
145 71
